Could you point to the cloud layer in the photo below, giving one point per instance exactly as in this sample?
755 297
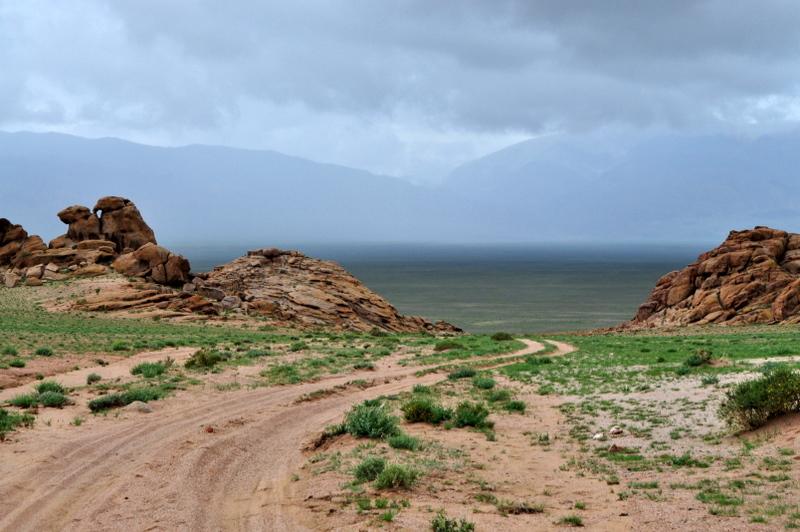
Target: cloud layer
409 87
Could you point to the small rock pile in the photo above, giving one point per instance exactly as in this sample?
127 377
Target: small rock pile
753 277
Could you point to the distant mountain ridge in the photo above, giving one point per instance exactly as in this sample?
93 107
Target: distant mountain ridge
668 188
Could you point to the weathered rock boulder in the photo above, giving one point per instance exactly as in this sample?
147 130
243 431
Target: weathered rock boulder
298 291
155 263
83 224
122 223
753 277
12 237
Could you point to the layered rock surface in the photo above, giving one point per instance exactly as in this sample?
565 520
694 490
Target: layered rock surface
753 277
296 290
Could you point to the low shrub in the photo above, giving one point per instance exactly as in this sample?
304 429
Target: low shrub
498 396
751 404
9 421
149 370
53 399
9 350
27 400
119 345
370 420
92 378
447 345
17 363
700 358
470 414
441 523
396 476
424 410
709 380
502 337
462 373
115 400
49 386
483 383
369 469
206 359
44 352
515 406
404 441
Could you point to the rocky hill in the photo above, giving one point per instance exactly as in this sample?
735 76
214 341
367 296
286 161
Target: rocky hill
286 288
753 277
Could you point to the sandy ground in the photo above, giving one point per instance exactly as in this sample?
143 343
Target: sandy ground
203 460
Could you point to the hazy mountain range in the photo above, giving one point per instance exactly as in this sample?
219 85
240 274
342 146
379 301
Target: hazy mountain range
668 188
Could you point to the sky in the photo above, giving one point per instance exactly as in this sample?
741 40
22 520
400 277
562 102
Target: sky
410 88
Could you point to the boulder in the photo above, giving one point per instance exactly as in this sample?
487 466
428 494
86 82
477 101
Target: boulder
752 277
122 223
154 262
11 279
83 224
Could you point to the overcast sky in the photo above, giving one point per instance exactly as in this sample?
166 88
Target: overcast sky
401 87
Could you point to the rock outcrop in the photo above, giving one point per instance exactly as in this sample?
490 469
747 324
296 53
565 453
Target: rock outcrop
298 291
114 231
753 277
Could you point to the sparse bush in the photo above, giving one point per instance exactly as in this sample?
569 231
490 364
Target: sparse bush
119 345
92 378
470 414
17 363
709 380
441 523
10 421
571 520
369 420
483 383
751 404
364 365
369 469
206 359
298 346
44 352
462 373
27 400
421 388
404 441
447 345
149 370
425 410
53 399
49 386
395 476
700 358
515 406
498 396
115 400
9 350
535 360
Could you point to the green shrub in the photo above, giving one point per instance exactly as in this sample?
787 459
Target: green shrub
498 396
206 359
9 350
751 404
571 520
470 414
370 420
483 383
369 469
298 346
27 400
44 352
515 406
119 345
395 476
115 400
441 523
149 370
92 378
709 380
10 421
364 365
682 370
700 358
447 345
17 363
421 388
462 373
53 399
502 337
404 441
424 410
49 386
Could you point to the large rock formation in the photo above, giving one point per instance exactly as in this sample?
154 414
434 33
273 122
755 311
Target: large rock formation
113 231
299 291
753 277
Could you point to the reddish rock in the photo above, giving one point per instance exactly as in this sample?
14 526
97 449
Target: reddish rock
156 263
122 223
753 277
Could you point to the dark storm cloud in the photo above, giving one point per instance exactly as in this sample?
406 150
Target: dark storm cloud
402 71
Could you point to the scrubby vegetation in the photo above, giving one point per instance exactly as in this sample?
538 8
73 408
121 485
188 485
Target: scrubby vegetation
370 419
751 404
116 400
9 421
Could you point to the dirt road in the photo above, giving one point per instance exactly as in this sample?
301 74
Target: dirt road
201 461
